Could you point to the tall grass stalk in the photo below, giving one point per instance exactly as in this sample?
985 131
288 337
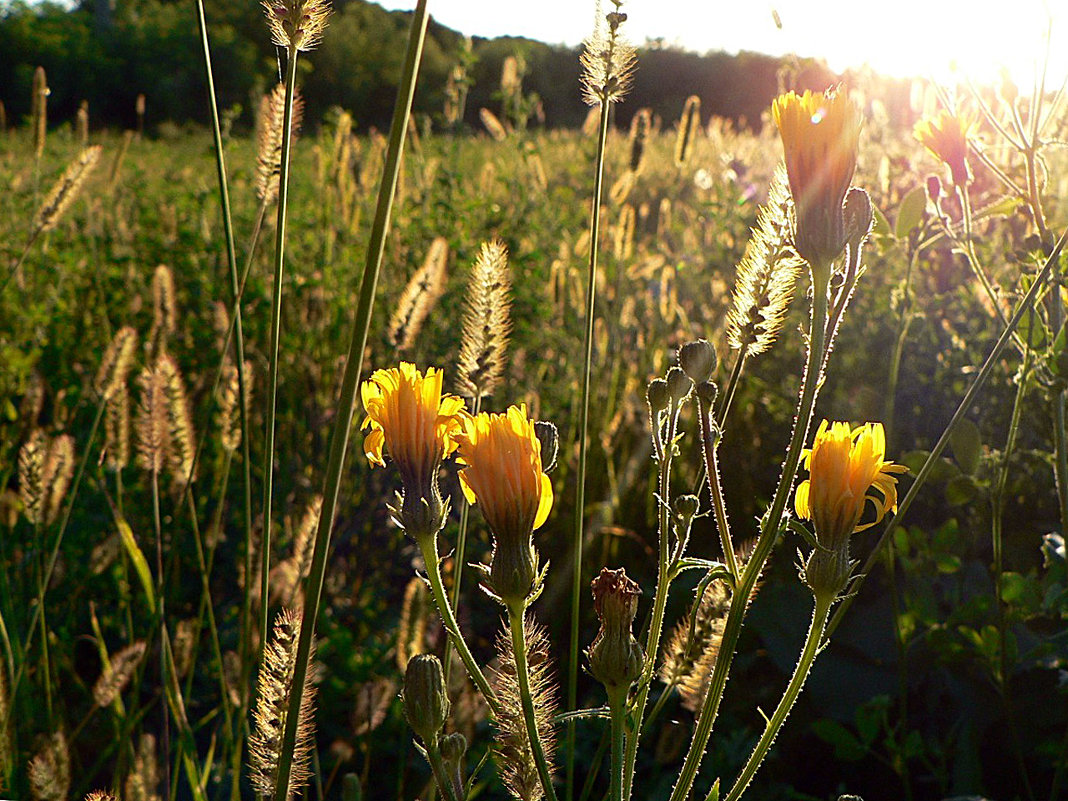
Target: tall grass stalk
239 348
583 438
770 528
276 326
339 439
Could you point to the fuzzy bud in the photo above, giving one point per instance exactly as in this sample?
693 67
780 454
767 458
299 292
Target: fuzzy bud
616 658
549 437
679 385
698 360
657 396
827 571
426 703
858 214
706 393
934 188
686 508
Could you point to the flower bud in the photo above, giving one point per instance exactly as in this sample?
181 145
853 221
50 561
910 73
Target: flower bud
453 747
513 569
706 393
549 438
858 214
686 508
827 572
426 703
616 658
657 396
698 360
934 188
679 385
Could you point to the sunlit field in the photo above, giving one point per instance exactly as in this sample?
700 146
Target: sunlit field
660 458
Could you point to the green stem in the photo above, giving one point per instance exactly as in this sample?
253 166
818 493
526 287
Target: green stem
346 409
583 438
769 533
522 670
821 609
165 726
428 546
441 775
458 558
710 446
276 327
899 344
617 705
936 452
663 584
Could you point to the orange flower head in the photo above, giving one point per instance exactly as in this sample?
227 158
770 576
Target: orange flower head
503 474
820 132
946 137
411 419
847 471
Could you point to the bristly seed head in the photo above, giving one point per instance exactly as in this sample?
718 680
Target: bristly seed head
608 61
296 24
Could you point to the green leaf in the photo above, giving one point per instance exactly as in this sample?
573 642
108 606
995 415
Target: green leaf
947 563
967 445
961 490
713 794
910 212
880 227
846 746
999 208
139 562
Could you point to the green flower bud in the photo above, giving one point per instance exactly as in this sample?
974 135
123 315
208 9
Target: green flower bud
513 568
698 360
686 508
549 438
453 747
616 658
827 571
706 393
679 385
657 396
426 703
858 214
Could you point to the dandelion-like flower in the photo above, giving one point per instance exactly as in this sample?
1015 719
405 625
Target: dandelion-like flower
820 132
847 472
946 137
409 417
502 473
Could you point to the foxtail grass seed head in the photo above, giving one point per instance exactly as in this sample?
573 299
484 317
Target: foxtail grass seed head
420 296
65 190
296 25
117 429
515 761
426 701
81 124
229 414
616 658
847 473
49 771
32 490
116 364
39 110
766 275
486 322
689 127
142 783
117 674
639 133
411 631
153 431
269 139
164 312
946 137
409 418
502 472
57 475
690 652
494 127
182 450
820 134
608 60
272 708
100 795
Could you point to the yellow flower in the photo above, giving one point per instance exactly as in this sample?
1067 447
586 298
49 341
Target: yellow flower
946 137
820 132
411 419
847 471
502 473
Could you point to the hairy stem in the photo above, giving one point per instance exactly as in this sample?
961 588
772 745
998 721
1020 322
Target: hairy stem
516 623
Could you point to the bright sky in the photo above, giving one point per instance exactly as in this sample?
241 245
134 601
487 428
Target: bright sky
928 38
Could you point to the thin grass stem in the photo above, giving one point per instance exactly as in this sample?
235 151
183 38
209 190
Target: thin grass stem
339 439
516 623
